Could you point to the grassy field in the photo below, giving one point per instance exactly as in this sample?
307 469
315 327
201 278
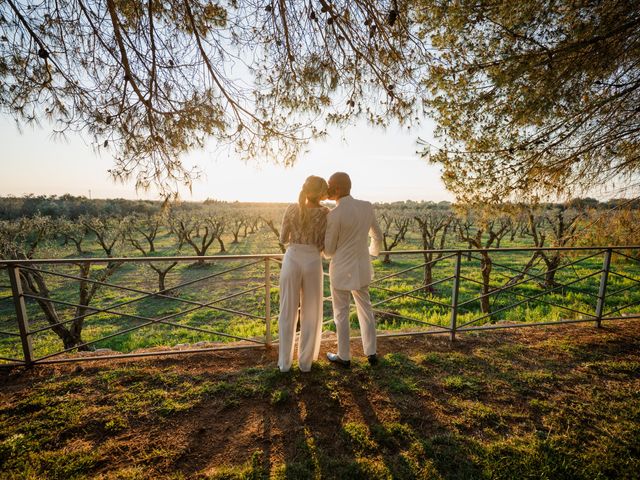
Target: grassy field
575 301
556 402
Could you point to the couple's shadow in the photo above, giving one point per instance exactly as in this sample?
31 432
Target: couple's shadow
355 423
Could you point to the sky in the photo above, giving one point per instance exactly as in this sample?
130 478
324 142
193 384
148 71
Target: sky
383 166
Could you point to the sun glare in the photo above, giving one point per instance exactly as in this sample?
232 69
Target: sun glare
382 164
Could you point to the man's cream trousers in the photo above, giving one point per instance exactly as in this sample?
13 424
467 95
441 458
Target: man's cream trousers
341 300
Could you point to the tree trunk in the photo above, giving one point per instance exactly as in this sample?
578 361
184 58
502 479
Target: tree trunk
386 258
552 267
81 310
162 275
35 284
530 264
86 293
76 330
222 249
78 245
428 274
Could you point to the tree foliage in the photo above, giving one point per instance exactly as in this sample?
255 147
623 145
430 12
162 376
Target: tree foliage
531 99
534 98
152 80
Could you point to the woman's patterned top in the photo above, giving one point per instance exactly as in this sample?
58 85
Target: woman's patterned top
313 233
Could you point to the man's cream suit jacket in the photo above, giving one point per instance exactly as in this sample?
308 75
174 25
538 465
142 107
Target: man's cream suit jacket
346 242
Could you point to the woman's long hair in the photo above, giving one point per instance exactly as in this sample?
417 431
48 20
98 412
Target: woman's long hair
313 188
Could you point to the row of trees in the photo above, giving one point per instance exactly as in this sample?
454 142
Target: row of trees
72 207
438 225
199 226
197 232
484 227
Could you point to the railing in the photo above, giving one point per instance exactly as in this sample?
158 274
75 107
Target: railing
444 300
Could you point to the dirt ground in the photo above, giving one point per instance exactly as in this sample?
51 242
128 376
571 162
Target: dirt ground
481 387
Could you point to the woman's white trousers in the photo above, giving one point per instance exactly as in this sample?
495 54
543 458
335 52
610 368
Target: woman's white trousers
301 285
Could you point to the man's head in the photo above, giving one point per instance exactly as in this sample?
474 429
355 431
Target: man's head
339 185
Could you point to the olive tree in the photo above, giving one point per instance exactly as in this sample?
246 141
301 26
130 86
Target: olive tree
148 229
490 226
200 232
433 225
394 224
21 240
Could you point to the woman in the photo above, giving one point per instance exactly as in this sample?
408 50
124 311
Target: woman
301 282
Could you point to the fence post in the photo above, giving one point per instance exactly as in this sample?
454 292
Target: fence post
267 300
21 313
602 292
454 296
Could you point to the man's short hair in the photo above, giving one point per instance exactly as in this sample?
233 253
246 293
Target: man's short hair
342 179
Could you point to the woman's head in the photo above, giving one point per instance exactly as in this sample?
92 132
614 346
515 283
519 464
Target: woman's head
314 189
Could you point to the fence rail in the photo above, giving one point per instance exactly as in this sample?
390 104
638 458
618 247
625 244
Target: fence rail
441 302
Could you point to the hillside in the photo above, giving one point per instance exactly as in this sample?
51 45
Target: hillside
560 402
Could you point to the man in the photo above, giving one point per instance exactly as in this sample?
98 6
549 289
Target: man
346 243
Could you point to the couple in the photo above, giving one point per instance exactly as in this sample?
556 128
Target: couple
341 234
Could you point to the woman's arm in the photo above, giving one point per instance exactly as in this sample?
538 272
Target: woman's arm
285 229
321 229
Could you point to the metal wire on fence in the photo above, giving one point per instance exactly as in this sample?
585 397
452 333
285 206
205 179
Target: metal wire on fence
453 311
